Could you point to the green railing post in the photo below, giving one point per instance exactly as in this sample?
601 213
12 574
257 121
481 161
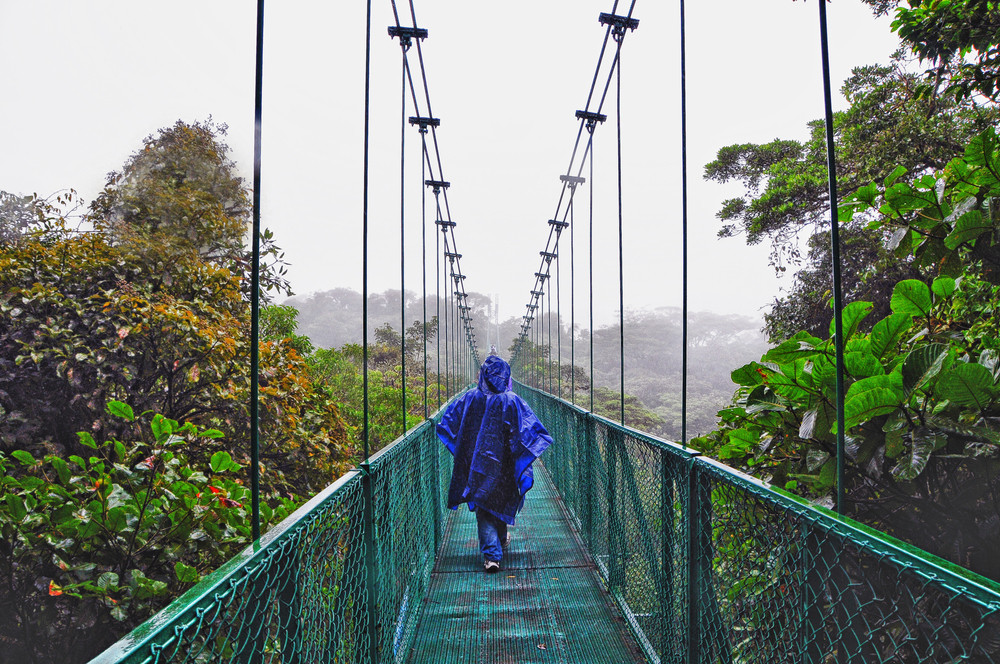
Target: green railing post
436 491
589 443
699 544
371 605
668 622
615 563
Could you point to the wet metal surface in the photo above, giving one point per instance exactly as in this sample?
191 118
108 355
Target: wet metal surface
546 605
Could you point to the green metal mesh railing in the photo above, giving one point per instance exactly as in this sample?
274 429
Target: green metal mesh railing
301 594
709 565
706 564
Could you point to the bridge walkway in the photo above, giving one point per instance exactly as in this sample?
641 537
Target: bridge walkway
547 604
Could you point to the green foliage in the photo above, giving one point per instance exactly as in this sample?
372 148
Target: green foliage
941 222
888 133
959 38
94 544
922 407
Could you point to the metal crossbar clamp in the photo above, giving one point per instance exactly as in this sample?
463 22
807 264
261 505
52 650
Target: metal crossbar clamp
437 184
424 124
538 293
547 255
559 225
591 119
407 35
445 225
459 294
452 255
574 179
541 275
532 307
619 24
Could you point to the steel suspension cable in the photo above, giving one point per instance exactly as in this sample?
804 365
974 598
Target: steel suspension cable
617 26
423 257
558 331
621 263
403 45
437 295
835 250
572 305
684 233
590 150
255 283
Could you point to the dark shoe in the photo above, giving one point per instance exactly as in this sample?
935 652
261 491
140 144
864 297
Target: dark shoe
491 566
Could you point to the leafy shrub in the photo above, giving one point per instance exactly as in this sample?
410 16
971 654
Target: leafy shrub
93 545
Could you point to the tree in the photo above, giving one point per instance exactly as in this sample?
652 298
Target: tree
923 387
177 199
888 124
959 39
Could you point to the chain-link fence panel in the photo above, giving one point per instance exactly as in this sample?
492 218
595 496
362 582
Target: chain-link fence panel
709 565
301 595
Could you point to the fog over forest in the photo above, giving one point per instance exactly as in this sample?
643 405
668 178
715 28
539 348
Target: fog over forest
718 343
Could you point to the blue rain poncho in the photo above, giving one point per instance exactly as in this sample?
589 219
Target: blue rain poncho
494 438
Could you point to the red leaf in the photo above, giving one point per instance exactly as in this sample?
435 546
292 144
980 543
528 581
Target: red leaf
54 589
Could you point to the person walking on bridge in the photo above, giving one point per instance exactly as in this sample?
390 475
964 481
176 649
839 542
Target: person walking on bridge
494 437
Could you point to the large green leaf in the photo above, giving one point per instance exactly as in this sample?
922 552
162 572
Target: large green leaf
741 442
923 442
922 364
967 384
862 364
748 374
802 345
969 226
891 381
911 296
851 317
122 410
872 397
943 286
762 398
793 382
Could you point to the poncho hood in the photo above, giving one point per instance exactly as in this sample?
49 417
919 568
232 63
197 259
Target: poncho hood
494 376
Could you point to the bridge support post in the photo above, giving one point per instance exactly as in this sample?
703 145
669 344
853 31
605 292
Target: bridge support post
588 463
616 571
371 587
671 644
436 490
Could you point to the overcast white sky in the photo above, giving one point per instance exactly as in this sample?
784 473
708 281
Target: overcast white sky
84 82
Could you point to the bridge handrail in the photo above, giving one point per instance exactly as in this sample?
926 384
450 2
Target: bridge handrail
215 617
746 571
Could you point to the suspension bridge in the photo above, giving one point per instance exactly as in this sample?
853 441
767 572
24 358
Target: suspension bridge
630 549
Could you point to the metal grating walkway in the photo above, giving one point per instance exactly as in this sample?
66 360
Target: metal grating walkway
546 605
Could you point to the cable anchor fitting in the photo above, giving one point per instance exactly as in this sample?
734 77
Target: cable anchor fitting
618 24
541 275
590 120
437 185
558 225
548 255
407 35
424 124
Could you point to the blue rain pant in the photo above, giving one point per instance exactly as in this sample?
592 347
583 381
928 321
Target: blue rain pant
492 533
